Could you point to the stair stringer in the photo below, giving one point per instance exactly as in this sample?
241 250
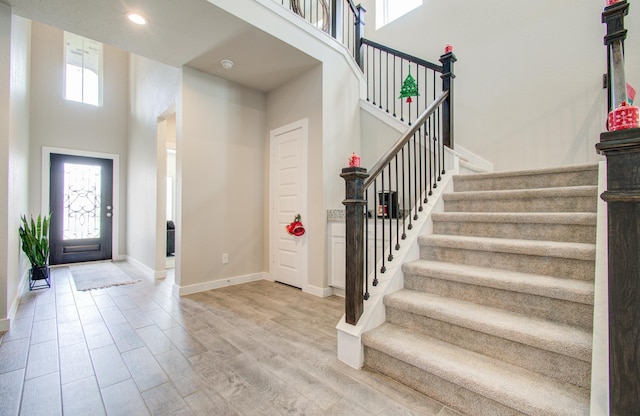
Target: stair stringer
350 347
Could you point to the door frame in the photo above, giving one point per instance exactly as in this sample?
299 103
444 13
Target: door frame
46 184
304 126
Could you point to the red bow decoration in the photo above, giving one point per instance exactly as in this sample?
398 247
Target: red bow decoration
296 228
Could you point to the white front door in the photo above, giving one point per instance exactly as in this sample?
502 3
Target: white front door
288 197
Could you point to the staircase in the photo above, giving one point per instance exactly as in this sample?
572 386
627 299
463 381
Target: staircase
495 318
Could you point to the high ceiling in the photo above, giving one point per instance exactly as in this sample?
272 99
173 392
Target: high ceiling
179 32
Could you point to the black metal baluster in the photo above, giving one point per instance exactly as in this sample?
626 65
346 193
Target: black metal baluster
397 208
417 91
380 80
375 235
366 60
391 211
366 245
419 150
404 196
427 134
384 214
441 158
415 175
431 161
410 226
401 80
394 86
373 70
409 102
387 77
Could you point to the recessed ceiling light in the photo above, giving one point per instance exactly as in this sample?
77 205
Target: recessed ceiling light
136 18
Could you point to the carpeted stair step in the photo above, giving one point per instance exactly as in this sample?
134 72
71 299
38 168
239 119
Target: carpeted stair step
561 199
555 350
566 301
469 382
548 258
579 175
549 226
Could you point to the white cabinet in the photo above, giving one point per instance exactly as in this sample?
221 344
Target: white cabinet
337 254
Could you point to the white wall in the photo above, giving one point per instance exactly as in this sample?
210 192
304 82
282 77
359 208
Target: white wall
19 153
56 122
14 155
528 92
301 98
340 125
154 88
5 223
221 169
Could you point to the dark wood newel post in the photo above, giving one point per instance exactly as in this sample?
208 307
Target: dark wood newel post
622 150
359 51
354 220
447 76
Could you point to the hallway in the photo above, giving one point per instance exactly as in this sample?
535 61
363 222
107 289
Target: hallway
255 349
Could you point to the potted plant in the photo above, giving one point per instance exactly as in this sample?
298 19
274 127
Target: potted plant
35 245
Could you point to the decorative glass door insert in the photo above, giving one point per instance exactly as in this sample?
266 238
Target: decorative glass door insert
82 196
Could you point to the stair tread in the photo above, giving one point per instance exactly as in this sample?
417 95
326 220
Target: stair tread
579 251
573 218
530 172
548 335
557 192
552 287
523 390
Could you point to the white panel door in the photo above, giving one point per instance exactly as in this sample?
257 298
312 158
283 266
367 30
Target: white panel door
288 197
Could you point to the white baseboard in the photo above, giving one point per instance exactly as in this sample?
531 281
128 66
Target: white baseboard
321 292
216 284
119 257
148 272
5 324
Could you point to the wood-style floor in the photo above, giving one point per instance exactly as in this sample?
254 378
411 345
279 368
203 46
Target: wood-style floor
255 349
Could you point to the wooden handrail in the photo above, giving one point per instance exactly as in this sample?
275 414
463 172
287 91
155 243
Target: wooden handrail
402 141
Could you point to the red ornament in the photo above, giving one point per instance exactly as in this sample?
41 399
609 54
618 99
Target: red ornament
354 160
448 49
296 228
610 2
624 117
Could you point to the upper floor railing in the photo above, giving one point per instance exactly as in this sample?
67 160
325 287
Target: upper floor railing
342 19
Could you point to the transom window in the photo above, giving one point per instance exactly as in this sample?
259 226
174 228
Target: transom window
389 10
83 74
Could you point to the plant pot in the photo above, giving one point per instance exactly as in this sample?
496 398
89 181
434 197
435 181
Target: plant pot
36 275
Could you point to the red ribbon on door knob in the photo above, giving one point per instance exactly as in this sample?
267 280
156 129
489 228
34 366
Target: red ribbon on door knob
296 228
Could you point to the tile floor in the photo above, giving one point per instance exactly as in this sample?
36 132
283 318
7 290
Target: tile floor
255 349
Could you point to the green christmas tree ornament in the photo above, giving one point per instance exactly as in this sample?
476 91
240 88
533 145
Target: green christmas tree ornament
409 88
